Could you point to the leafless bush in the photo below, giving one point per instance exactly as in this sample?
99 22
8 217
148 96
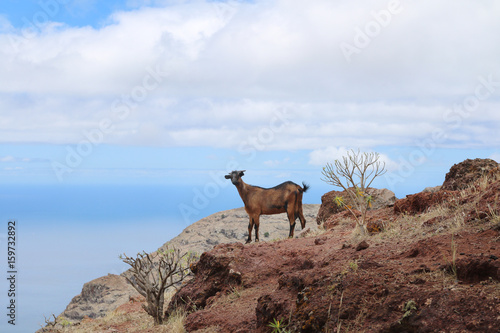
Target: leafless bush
153 274
354 174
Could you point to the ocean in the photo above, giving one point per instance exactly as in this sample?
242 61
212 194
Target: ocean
68 235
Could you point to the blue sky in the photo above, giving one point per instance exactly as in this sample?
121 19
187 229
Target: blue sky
169 91
74 13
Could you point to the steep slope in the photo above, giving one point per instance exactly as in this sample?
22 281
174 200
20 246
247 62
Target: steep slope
103 295
329 282
432 266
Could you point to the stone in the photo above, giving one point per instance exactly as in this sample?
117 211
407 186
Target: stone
381 198
463 174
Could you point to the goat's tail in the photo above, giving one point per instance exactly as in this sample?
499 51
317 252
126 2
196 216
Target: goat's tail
305 187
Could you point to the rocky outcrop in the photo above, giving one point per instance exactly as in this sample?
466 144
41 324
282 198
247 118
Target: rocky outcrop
432 189
486 202
232 226
381 198
461 176
465 173
105 294
98 297
421 202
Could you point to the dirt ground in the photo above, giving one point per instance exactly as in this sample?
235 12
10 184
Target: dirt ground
329 283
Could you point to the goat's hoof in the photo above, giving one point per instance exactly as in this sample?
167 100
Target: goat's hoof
257 240
248 241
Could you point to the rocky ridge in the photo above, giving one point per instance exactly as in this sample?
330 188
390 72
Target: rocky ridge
104 294
232 226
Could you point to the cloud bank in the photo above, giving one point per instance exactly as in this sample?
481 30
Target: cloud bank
217 74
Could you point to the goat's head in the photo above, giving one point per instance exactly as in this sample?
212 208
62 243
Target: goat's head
235 176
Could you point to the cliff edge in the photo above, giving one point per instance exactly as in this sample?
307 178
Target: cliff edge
103 295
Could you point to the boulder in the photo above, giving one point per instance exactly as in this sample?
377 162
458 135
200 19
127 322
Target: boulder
463 174
328 206
382 198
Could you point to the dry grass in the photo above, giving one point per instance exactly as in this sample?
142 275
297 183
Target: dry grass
175 323
132 321
129 322
447 217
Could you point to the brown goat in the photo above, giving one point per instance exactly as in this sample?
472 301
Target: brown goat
283 198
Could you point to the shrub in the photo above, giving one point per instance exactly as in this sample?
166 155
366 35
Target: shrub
354 174
152 275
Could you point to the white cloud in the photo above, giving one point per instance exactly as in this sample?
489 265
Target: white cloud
327 155
275 163
5 25
12 159
321 157
228 67
13 168
7 159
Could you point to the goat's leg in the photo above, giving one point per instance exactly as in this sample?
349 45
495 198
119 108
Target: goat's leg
299 212
250 226
256 226
301 217
291 218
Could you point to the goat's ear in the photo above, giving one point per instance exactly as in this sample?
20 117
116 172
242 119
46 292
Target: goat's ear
227 176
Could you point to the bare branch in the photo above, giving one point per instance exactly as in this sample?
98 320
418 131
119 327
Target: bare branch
355 174
153 274
49 322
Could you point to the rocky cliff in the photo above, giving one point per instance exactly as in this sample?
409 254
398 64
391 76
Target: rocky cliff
103 295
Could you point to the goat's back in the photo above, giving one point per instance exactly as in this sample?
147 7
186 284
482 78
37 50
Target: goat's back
273 200
285 186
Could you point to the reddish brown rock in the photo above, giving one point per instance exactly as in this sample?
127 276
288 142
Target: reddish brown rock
463 174
421 202
362 246
381 198
301 284
328 206
374 227
487 205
